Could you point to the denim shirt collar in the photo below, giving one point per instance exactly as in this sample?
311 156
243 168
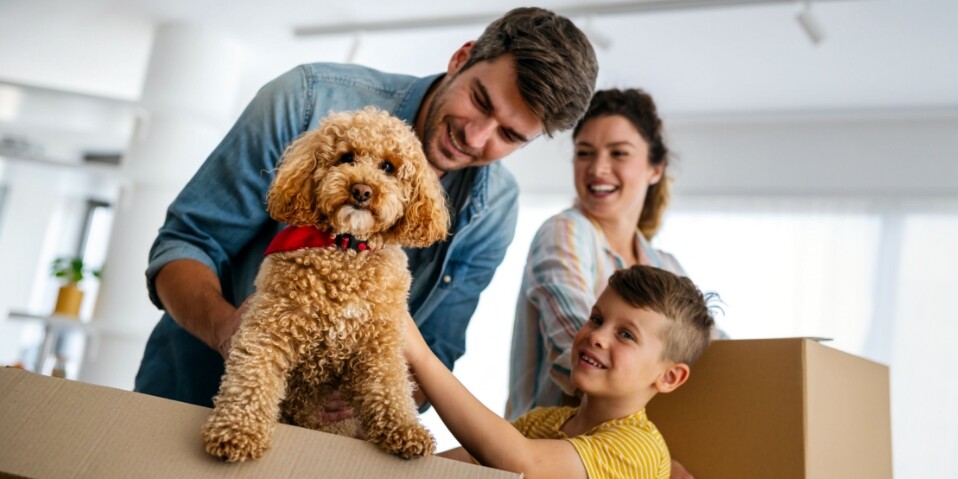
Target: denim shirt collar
412 101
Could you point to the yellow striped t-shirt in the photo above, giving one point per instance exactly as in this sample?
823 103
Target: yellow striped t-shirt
628 447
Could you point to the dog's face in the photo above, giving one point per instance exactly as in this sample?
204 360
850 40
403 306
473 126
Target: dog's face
362 173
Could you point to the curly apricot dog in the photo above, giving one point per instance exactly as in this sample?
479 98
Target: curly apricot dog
331 293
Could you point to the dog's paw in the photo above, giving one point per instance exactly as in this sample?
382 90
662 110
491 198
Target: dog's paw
410 442
227 441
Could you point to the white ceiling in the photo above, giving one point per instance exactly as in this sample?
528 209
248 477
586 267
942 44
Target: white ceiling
890 62
877 54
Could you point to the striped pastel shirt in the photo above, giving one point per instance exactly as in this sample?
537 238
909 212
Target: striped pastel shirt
568 266
628 447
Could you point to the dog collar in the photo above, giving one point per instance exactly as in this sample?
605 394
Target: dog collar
293 238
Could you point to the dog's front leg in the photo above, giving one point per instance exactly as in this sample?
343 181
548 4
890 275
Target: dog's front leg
382 397
247 406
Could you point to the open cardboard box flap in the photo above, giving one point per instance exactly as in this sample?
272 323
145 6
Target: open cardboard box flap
56 428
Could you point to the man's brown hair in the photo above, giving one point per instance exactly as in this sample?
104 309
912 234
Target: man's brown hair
555 63
690 320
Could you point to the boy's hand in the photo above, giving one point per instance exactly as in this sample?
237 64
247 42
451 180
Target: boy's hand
413 343
679 471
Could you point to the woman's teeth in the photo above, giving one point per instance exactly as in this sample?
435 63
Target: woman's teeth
602 188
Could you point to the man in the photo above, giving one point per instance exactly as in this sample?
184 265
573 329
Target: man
530 73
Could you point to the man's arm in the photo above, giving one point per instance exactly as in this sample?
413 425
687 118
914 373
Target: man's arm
485 435
191 293
210 226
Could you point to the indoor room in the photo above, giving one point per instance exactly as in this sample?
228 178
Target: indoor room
813 170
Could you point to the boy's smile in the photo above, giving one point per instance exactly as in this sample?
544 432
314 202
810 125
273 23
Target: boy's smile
588 360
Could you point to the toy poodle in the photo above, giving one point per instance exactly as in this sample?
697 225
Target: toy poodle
330 300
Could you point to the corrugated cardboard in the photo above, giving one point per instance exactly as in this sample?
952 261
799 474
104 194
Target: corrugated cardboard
57 428
779 408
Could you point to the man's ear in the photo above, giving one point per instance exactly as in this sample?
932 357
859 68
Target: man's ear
460 57
673 377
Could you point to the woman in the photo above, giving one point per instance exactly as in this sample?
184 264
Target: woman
622 191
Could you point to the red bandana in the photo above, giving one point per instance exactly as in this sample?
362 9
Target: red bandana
298 237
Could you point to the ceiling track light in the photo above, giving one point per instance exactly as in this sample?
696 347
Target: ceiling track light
595 35
587 10
354 46
810 24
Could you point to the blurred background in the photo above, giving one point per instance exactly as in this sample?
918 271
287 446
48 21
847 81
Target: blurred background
816 166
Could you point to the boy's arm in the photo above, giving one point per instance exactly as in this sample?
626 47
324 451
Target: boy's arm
458 454
486 436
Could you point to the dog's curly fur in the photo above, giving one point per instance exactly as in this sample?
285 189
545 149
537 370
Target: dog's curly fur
325 319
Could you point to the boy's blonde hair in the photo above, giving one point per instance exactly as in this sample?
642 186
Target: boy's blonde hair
678 299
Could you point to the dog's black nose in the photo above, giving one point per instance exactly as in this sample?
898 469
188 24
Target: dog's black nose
361 192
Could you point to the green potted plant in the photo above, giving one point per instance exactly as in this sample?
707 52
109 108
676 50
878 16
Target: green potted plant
70 271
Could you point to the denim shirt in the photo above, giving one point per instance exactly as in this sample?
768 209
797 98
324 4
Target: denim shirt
220 220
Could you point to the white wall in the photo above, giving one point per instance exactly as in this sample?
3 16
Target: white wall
98 49
872 154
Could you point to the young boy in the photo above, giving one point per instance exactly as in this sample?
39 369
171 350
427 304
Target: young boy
645 330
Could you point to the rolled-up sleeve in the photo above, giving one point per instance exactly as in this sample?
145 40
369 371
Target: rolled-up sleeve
223 206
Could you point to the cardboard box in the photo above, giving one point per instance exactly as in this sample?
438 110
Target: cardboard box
57 428
779 408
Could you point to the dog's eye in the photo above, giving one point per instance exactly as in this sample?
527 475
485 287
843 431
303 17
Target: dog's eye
346 158
387 166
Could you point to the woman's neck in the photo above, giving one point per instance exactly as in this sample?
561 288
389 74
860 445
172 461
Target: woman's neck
621 237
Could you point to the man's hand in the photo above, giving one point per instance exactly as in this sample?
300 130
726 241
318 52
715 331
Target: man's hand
192 295
679 471
225 341
336 409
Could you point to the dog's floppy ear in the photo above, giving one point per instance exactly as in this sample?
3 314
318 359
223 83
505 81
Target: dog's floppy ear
426 219
292 195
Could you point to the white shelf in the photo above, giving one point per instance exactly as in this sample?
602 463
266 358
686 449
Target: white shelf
54 325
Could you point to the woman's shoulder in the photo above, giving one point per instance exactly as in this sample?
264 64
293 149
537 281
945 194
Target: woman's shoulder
569 219
659 258
568 226
669 263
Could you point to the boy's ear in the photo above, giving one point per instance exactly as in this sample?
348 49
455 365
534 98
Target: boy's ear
673 377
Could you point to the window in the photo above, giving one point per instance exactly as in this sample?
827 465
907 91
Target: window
876 276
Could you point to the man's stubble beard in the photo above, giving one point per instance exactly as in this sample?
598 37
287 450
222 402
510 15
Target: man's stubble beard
430 148
434 125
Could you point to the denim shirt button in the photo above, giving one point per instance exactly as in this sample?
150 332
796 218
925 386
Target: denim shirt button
447 279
